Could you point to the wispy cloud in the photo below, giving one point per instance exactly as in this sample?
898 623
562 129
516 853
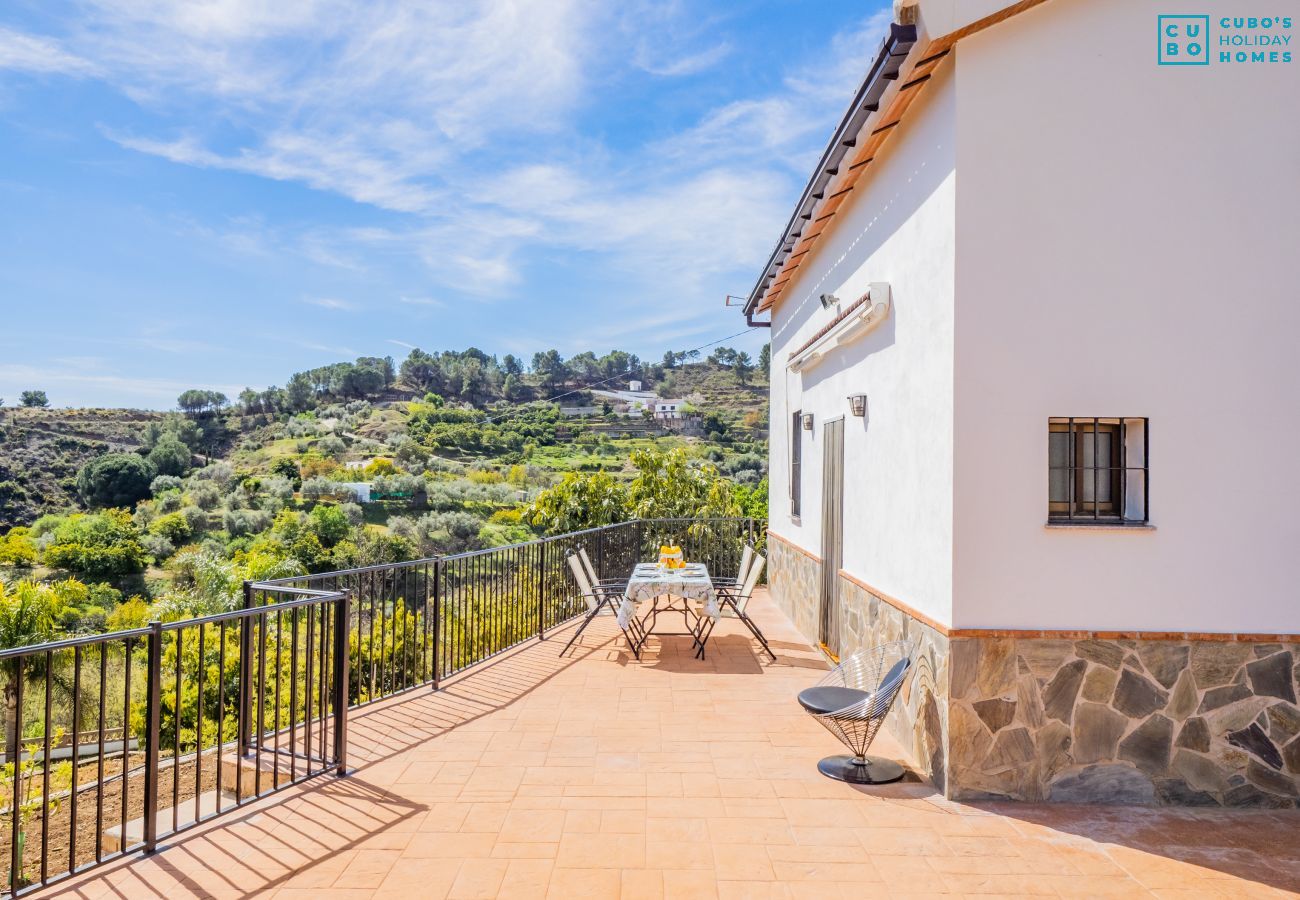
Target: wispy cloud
397 343
75 379
684 65
331 303
31 53
422 301
331 349
400 101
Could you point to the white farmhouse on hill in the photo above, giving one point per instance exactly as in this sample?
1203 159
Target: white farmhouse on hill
670 409
1034 378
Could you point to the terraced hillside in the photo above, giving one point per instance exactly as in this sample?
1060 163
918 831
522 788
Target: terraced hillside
42 449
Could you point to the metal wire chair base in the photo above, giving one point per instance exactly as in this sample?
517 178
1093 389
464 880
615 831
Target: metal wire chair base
868 770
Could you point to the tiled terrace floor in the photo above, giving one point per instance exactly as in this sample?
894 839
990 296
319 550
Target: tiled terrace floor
602 777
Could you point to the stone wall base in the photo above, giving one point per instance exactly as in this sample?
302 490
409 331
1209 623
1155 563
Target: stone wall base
1186 723
1088 720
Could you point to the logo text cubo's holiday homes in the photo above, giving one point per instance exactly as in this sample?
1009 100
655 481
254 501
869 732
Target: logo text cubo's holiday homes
1196 40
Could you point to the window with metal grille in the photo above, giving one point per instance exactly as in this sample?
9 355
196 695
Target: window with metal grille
796 462
1097 471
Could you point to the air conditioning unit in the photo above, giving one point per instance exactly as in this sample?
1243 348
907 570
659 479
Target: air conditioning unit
858 319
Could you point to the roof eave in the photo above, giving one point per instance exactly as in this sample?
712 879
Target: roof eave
889 61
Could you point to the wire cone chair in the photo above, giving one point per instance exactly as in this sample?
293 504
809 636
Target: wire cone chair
851 702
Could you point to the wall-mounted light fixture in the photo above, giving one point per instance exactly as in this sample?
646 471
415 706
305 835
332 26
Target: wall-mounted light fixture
858 403
807 421
829 300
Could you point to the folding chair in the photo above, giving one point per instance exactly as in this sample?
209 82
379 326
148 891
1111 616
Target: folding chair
746 559
602 602
732 603
618 585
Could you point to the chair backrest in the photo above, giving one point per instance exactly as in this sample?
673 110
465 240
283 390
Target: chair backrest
591 570
883 697
746 558
751 581
584 583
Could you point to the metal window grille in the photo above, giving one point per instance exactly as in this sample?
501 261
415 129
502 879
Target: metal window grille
796 462
1097 471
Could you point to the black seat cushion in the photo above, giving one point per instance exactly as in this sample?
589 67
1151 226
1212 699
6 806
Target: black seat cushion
823 700
898 669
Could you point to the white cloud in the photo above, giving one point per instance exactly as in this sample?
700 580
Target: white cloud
462 121
30 53
397 343
331 303
691 64
91 381
331 349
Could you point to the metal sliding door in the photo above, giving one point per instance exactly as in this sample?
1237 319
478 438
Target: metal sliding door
832 533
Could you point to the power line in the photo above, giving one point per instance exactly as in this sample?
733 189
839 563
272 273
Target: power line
621 375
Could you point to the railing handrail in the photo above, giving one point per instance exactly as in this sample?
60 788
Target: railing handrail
546 539
309 596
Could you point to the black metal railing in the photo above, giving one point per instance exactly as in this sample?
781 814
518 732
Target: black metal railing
416 623
208 714
117 741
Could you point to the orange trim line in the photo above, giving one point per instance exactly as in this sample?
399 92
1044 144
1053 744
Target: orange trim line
1057 635
896 603
793 546
1053 634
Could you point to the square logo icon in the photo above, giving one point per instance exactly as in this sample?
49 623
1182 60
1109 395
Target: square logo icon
1183 40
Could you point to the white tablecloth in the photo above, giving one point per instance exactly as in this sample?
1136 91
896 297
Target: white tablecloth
649 581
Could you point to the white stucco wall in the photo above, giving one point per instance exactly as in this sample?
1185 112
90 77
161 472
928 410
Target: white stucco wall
898 459
1127 244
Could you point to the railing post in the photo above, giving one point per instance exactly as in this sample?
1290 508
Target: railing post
342 627
437 620
600 554
541 591
245 671
153 710
17 838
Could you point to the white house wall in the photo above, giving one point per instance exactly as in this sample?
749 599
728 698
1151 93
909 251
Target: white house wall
1127 238
899 229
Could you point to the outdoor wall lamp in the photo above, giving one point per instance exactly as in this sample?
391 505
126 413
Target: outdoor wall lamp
858 403
807 421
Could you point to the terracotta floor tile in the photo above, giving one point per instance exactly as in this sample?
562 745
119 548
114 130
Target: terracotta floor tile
688 884
641 884
450 846
432 875
478 879
530 850
532 825
601 851
753 890
585 884
737 862
526 878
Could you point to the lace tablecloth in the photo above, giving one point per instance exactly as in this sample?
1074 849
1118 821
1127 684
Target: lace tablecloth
649 581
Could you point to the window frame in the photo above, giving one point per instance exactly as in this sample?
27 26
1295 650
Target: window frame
796 464
1081 507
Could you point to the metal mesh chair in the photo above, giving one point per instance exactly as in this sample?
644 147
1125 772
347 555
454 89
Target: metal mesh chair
851 702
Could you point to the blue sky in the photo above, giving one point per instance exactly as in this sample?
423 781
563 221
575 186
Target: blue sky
218 194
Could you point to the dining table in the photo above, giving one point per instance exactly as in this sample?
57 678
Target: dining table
658 586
